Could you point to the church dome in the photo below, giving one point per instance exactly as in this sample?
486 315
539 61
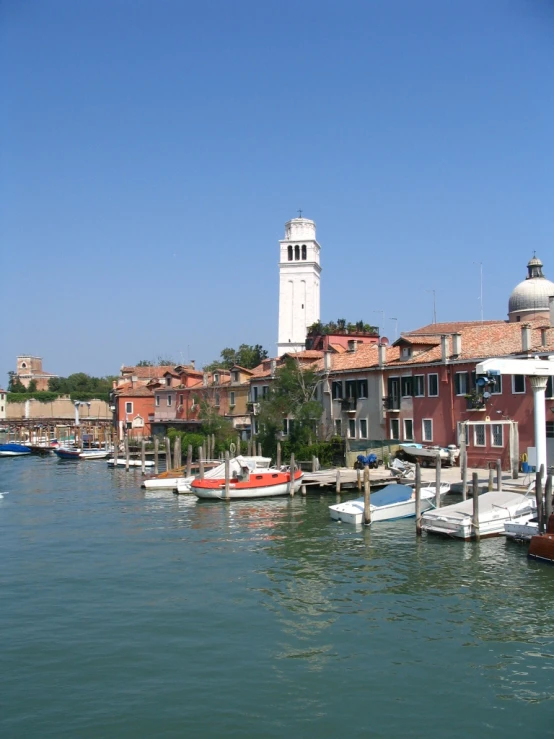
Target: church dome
532 295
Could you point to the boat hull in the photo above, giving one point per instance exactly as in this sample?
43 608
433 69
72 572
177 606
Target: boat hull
14 450
265 485
132 463
167 483
542 548
353 511
67 453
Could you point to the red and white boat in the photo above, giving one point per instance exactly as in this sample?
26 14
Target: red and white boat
246 482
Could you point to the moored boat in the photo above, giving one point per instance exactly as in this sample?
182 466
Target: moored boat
67 452
14 450
388 504
521 531
248 481
428 454
541 546
120 462
254 463
495 510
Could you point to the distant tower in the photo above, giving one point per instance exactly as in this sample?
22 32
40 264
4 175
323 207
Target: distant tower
531 298
299 279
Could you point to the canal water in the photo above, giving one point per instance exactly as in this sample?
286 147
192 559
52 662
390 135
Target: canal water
126 613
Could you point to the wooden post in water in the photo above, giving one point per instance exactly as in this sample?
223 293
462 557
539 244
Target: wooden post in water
189 459
337 482
499 474
238 443
292 470
249 447
208 450
201 462
156 454
167 454
464 481
491 479
548 499
143 456
176 451
278 463
539 498
259 449
438 481
213 446
227 476
359 480
314 463
367 494
418 499
126 452
475 484
115 450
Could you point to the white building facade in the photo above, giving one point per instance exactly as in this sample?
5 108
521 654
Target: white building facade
299 284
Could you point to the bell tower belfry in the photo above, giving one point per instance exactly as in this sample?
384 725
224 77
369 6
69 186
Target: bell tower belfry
299 283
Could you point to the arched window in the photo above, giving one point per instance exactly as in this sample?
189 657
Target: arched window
290 253
303 251
297 252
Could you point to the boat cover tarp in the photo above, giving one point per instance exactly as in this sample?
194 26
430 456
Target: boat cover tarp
391 494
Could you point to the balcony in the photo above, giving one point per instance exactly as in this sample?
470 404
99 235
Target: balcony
348 405
475 403
392 403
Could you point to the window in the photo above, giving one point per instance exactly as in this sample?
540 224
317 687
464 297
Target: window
549 393
363 428
461 380
289 250
128 407
297 252
427 429
406 386
216 378
285 426
497 435
336 389
157 400
395 428
265 391
408 429
232 398
362 388
235 376
168 381
406 352
217 400
352 428
254 425
550 429
479 434
518 384
181 399
255 393
496 387
169 399
459 435
303 251
419 386
433 389
338 427
350 389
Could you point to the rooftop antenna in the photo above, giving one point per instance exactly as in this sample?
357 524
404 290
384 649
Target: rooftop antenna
395 327
480 287
382 326
434 304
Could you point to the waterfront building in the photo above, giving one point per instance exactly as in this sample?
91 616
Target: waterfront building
29 369
3 404
299 284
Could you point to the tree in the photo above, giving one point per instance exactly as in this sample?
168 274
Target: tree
14 383
245 356
143 363
32 387
292 394
166 362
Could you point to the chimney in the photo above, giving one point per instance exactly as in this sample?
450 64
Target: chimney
205 379
382 354
352 345
273 367
327 361
192 363
444 348
456 345
526 337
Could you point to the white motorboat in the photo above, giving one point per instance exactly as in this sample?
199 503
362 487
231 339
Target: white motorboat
521 531
254 463
248 480
120 462
388 504
427 454
95 453
495 509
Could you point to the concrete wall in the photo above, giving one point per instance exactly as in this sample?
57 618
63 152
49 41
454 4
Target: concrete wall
60 408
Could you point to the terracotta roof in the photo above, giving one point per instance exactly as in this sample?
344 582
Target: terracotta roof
242 369
339 348
306 354
140 391
434 329
418 340
145 373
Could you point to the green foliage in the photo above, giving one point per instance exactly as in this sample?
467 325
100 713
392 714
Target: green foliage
144 363
187 438
292 393
329 452
245 356
32 387
341 326
83 386
14 384
42 396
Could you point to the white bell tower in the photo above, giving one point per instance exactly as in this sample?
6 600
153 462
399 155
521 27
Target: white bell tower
299 280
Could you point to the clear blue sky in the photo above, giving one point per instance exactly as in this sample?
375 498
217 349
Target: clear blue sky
151 153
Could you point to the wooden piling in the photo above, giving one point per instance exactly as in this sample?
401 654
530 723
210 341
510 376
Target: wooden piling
491 479
143 456
127 456
438 469
291 488
314 463
359 478
115 451
548 499
475 485
418 498
337 483
367 495
259 449
303 490
213 446
156 454
189 459
539 499
249 447
464 482
167 454
208 450
278 455
227 476
238 443
200 462
176 451
499 474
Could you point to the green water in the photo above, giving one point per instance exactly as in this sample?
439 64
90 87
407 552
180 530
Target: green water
133 614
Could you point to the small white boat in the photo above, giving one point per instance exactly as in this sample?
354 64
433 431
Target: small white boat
14 450
521 531
254 463
95 453
388 504
495 510
120 462
247 480
427 454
